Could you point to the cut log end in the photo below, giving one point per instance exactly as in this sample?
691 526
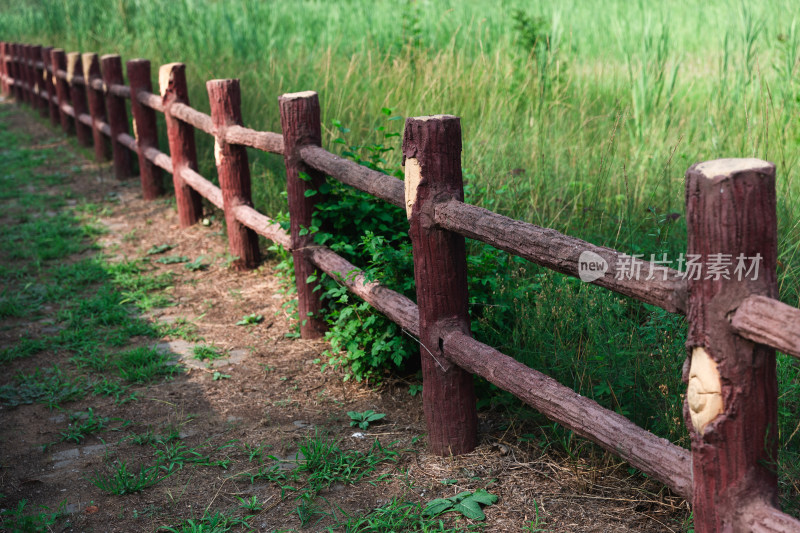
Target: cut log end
704 392
299 96
729 167
166 74
435 117
413 176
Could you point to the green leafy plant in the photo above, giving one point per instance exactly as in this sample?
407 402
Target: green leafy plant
363 420
196 265
159 249
172 259
82 425
144 364
467 503
18 520
121 481
204 351
249 320
251 504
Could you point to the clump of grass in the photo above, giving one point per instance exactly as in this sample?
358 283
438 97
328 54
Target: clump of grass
120 481
145 364
217 522
51 386
400 515
206 352
18 519
83 424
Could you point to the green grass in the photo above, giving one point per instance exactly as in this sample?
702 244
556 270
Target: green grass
204 351
24 520
120 481
145 364
400 515
87 302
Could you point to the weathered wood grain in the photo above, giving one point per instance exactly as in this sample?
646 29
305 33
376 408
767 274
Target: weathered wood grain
233 170
432 159
768 321
300 123
732 397
145 128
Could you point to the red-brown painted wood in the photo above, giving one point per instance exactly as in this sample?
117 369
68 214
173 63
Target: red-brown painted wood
33 99
19 78
78 97
58 59
50 86
117 114
97 107
27 71
768 321
730 209
440 272
655 284
39 85
657 457
300 122
3 68
233 170
22 61
144 128
172 84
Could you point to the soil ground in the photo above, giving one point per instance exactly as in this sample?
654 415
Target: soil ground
276 397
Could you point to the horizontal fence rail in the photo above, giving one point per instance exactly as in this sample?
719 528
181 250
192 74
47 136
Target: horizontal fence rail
726 475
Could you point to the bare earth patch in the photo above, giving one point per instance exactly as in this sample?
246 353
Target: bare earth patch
268 391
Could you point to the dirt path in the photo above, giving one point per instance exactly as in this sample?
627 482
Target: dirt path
211 424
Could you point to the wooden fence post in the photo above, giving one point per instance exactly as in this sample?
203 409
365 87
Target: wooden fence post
49 84
38 76
59 61
16 62
144 128
97 107
432 160
233 171
22 54
26 74
300 123
3 71
111 65
31 75
78 97
731 400
172 84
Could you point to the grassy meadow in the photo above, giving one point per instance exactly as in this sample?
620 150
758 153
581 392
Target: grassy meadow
578 115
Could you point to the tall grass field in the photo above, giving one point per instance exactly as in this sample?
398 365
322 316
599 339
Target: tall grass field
578 115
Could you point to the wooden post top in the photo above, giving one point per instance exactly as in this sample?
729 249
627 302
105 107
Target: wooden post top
298 96
728 167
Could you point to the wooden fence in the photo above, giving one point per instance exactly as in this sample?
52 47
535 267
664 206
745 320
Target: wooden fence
735 324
